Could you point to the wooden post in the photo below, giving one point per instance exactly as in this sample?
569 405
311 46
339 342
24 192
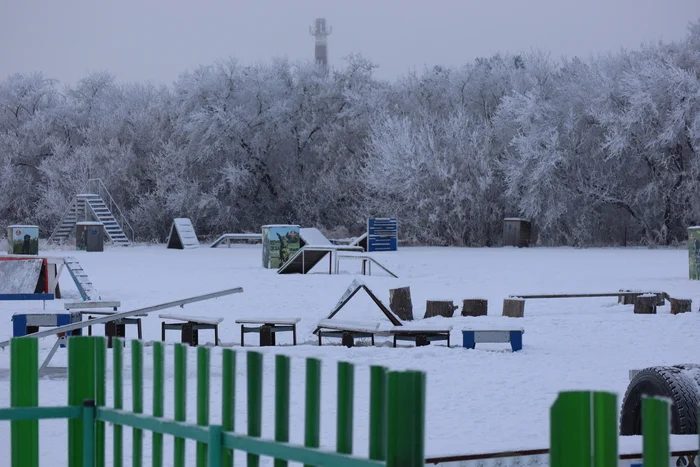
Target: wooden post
439 308
266 336
514 307
401 304
475 307
645 304
680 305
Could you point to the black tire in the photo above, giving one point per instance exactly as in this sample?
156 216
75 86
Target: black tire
679 383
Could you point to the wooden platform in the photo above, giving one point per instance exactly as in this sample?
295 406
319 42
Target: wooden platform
189 327
421 335
267 328
347 331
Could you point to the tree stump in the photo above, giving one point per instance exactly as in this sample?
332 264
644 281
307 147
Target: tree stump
401 304
439 308
680 305
627 299
475 307
514 307
645 304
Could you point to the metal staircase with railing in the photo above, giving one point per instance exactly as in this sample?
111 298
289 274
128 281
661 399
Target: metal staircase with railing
89 206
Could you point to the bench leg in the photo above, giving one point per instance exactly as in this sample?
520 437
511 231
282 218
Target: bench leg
216 335
162 331
139 331
294 334
394 340
189 335
372 337
319 338
422 340
448 339
348 339
266 336
468 340
516 340
242 337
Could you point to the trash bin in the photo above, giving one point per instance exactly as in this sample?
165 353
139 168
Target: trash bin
694 252
89 236
23 239
280 242
516 232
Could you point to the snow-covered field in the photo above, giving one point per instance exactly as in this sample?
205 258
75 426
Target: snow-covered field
479 400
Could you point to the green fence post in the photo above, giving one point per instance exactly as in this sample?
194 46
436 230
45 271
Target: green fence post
81 387
254 370
656 422
158 401
180 401
377 413
88 421
406 421
24 392
282 375
117 361
100 397
312 423
137 399
215 446
605 432
203 354
228 401
583 429
346 383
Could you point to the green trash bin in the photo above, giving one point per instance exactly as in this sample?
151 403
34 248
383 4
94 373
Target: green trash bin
23 239
694 252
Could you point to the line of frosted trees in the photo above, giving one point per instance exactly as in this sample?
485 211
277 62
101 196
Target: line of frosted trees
595 152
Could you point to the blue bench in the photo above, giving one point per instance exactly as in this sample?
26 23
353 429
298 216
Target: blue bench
470 337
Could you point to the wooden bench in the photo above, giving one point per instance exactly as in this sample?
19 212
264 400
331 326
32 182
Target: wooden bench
116 328
471 336
421 336
267 328
190 326
92 304
348 331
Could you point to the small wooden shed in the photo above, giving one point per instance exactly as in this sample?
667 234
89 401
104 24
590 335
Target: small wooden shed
516 232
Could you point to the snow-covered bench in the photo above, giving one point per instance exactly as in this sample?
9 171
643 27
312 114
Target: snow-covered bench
514 336
267 328
348 331
189 326
421 335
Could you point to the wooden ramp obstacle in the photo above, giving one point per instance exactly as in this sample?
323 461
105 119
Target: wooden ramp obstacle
314 247
82 282
22 276
182 235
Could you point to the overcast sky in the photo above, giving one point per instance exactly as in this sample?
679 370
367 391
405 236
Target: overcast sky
155 40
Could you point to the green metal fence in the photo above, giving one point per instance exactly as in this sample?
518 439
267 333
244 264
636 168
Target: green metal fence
397 411
584 427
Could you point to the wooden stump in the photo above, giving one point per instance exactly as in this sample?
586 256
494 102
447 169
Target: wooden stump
680 305
645 304
401 304
514 307
439 308
627 299
475 307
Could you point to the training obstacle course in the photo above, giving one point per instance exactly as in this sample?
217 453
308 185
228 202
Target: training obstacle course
396 410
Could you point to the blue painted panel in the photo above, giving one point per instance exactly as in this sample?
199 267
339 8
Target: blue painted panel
27 296
382 234
19 325
468 339
516 340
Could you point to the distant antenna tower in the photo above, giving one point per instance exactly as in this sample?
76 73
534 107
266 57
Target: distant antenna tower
321 33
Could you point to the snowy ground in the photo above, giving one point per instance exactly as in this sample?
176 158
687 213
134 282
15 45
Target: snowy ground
481 400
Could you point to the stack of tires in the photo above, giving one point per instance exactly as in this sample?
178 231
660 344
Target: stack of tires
679 383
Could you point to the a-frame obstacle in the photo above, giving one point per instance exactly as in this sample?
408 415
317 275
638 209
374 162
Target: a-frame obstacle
355 287
182 235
